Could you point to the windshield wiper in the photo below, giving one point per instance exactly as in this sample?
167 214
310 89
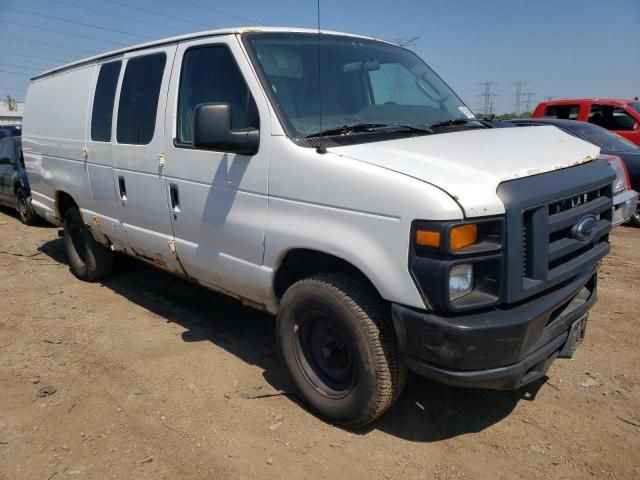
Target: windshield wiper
451 123
367 127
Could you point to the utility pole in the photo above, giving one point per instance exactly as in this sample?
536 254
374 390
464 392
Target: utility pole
487 96
527 102
493 97
518 84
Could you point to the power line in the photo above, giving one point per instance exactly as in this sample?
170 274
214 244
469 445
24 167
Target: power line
160 14
18 66
34 57
38 42
13 48
215 10
8 89
64 33
16 73
75 22
115 15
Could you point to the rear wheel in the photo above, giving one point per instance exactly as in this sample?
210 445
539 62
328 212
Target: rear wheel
338 347
635 218
88 259
24 209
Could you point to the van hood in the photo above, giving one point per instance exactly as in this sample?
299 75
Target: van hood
469 165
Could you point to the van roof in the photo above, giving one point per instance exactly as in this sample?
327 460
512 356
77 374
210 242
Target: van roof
190 36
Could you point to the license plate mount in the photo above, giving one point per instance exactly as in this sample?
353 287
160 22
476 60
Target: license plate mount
575 338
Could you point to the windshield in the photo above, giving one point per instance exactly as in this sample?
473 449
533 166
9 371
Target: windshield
360 82
608 141
635 106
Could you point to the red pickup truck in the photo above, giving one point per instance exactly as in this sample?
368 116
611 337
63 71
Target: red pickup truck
618 115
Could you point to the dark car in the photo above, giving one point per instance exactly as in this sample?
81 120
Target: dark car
610 144
14 186
10 131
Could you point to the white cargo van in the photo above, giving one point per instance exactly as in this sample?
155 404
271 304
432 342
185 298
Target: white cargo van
337 182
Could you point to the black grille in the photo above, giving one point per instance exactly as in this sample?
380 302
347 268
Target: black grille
541 211
560 245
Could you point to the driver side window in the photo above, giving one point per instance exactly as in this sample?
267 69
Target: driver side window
393 84
211 75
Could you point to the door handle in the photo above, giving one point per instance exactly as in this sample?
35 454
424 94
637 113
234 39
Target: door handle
122 187
175 197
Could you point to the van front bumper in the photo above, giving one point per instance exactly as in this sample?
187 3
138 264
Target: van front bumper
498 348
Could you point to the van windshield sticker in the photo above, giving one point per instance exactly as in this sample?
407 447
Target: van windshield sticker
468 113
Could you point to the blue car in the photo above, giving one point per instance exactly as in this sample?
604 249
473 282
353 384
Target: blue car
14 186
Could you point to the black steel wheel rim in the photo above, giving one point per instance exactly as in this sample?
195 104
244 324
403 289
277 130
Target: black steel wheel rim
325 354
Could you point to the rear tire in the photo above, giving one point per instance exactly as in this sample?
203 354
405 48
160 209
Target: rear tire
337 344
635 219
24 208
89 261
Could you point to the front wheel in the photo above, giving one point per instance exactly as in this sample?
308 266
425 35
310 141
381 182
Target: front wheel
337 344
88 259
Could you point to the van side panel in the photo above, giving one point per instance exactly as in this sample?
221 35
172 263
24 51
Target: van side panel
353 210
53 137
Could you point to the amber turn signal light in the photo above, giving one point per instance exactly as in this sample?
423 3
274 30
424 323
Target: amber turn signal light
428 238
462 236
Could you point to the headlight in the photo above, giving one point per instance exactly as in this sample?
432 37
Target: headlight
460 281
458 264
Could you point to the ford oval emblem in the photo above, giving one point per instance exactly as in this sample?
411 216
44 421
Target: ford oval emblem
585 228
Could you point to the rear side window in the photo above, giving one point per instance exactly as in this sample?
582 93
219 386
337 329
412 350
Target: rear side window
211 75
611 118
102 112
569 112
7 151
139 99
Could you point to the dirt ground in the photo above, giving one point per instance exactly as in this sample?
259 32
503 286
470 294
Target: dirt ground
157 378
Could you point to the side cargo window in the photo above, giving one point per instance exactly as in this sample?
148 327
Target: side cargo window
139 99
211 75
569 112
102 111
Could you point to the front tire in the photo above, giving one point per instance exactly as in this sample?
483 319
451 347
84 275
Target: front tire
337 344
24 208
89 261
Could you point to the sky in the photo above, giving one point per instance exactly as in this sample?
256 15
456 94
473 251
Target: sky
561 48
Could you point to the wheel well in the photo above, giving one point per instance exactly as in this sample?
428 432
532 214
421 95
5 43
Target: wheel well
302 263
64 201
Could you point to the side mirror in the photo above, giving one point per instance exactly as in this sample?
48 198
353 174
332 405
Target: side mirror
212 131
